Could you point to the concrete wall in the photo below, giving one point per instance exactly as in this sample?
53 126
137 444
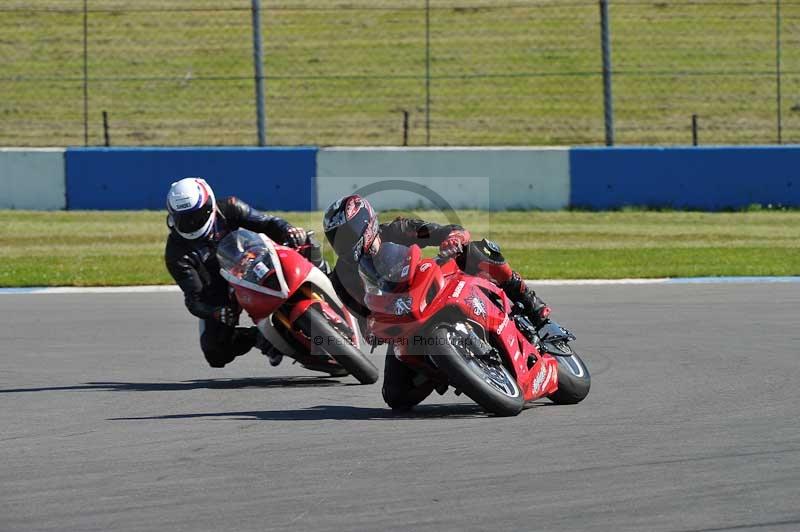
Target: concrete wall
138 178
477 178
32 179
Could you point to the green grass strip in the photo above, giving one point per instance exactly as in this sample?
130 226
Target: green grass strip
126 248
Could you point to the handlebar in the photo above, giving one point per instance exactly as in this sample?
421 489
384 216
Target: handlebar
309 234
440 260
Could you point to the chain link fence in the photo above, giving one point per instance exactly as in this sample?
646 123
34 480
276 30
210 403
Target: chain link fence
389 72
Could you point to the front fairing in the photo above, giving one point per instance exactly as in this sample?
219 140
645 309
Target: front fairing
387 279
390 269
251 265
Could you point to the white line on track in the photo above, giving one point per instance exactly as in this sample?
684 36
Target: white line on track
89 289
547 282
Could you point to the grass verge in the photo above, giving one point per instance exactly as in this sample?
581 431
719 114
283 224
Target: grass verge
126 248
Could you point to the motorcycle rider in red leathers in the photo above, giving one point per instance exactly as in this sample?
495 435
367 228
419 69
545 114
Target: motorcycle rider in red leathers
351 227
197 222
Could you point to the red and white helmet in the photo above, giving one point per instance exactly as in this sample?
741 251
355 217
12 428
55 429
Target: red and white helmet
192 207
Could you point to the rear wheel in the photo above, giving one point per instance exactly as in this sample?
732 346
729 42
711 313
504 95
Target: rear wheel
574 380
488 383
325 338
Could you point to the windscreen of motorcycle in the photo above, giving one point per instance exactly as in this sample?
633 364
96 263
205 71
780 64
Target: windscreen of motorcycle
388 270
245 255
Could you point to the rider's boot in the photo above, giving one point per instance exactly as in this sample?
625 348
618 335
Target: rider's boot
270 351
519 292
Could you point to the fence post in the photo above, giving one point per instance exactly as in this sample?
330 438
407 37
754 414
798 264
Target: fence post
608 102
778 68
105 129
85 72
405 127
258 61
427 72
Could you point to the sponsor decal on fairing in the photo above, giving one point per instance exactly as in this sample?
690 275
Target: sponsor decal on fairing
477 304
541 378
502 324
459 288
260 270
550 375
402 306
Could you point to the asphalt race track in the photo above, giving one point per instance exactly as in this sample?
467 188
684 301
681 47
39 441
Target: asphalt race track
110 420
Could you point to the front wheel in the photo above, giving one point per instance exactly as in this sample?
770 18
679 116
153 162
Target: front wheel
574 380
489 384
326 338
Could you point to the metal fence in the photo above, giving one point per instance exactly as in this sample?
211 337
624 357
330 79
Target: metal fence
391 72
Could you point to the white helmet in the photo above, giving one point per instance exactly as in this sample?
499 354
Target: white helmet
192 207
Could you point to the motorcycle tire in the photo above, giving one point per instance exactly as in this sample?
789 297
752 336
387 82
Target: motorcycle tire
345 353
463 372
574 380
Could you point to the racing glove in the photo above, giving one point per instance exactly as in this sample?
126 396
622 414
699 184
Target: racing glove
227 316
454 243
296 236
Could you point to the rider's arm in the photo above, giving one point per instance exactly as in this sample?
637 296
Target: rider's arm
239 214
409 231
188 279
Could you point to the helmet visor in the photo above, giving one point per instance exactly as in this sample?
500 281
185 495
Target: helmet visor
190 222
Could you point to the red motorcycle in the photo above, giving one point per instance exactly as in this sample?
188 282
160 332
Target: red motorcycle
293 304
461 330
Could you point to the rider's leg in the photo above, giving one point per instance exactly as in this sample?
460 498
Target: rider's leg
519 292
399 388
484 259
221 343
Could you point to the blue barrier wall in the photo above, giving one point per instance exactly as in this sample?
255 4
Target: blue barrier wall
710 178
694 178
138 178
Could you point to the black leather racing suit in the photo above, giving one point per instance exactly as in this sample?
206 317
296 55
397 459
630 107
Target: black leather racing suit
194 266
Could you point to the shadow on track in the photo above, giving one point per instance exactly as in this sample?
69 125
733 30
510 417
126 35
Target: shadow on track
224 384
334 412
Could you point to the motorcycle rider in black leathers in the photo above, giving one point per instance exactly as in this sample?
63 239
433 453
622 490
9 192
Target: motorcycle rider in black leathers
197 223
351 227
